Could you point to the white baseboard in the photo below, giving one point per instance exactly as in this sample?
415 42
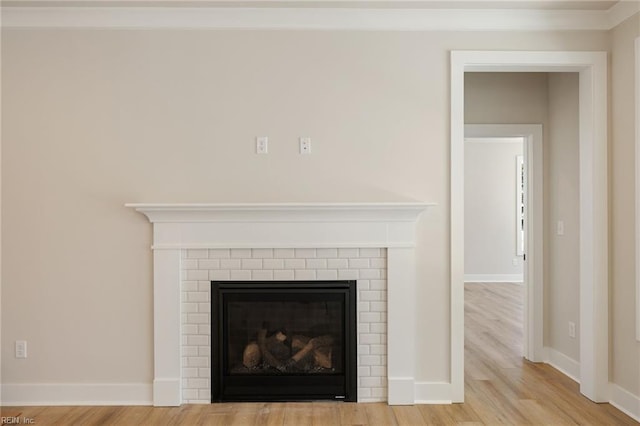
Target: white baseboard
625 401
567 366
15 394
493 278
432 393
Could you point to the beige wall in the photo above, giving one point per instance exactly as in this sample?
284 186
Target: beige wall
506 98
625 358
562 257
96 118
490 222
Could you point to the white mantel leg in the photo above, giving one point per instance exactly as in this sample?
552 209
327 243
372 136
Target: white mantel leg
401 329
166 332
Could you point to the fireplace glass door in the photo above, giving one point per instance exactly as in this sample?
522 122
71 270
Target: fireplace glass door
283 341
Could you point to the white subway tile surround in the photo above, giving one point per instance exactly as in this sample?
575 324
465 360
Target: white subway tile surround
366 265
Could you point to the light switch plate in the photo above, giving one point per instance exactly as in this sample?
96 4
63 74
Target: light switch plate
262 145
21 348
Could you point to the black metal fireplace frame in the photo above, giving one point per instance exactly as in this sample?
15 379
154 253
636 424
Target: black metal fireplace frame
227 388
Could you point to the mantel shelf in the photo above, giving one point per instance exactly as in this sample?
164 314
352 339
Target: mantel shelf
282 212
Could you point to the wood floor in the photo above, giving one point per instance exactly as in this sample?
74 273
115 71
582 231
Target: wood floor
501 388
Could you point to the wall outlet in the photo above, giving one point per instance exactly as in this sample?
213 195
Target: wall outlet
21 348
515 261
305 145
572 329
560 228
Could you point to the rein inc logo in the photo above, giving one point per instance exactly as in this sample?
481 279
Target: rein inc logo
16 420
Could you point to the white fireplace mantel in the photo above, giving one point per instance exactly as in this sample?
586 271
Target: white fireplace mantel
293 225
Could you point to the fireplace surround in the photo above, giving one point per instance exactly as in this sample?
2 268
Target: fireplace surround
199 227
366 266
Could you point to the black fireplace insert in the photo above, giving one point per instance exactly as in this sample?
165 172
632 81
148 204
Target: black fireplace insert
283 340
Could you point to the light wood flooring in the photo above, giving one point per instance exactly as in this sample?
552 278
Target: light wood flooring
501 388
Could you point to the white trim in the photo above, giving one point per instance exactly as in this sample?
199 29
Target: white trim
1 275
625 401
637 70
433 393
384 225
456 256
166 391
281 212
594 236
1 394
167 371
401 322
622 11
310 243
567 366
493 278
29 394
401 389
490 139
594 335
315 18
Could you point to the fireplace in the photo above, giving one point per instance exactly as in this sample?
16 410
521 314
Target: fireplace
283 340
193 243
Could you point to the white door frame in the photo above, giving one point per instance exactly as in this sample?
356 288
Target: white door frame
533 266
637 179
594 298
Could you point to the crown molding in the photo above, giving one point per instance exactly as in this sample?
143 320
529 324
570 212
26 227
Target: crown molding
313 18
622 11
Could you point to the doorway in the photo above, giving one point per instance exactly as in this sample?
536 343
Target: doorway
593 250
531 136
